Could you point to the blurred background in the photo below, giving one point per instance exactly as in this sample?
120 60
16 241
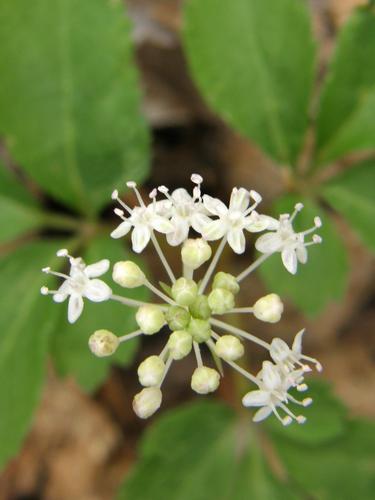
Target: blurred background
94 93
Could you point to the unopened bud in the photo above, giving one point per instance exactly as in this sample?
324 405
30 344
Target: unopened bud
205 380
268 308
180 344
221 300
150 319
147 402
229 348
177 318
200 308
151 371
184 291
103 343
199 329
227 282
128 274
195 252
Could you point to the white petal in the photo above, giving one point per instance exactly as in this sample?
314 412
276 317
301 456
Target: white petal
273 224
161 224
271 376
121 230
97 269
180 195
214 230
297 343
268 243
62 292
262 413
256 398
199 221
289 258
97 291
75 307
239 199
236 240
214 205
279 350
301 252
256 223
140 237
180 232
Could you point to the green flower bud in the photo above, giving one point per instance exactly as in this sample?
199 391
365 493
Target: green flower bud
151 371
177 318
227 282
195 252
103 343
147 402
150 319
128 274
221 300
199 329
180 344
205 380
229 348
200 308
184 291
268 308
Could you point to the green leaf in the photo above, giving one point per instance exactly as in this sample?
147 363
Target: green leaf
26 320
326 418
323 278
69 97
70 342
352 194
343 468
345 122
18 210
201 452
254 63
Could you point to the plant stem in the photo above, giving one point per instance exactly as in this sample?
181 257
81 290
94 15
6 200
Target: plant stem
253 266
212 265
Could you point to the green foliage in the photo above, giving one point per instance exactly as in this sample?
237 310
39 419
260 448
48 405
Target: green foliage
345 122
343 468
26 321
353 195
192 453
323 278
18 210
69 114
69 344
204 451
69 97
254 63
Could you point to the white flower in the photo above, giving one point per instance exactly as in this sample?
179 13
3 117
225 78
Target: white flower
79 284
234 220
143 219
287 358
186 211
285 240
273 394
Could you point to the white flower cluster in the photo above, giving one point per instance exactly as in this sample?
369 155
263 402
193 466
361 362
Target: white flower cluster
191 314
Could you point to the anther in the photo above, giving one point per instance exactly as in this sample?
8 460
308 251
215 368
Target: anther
301 419
63 252
114 195
44 290
255 196
317 222
287 420
307 401
196 178
131 184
